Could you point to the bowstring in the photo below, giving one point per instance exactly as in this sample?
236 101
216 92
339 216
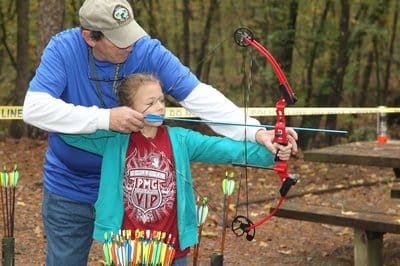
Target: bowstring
204 59
248 80
246 93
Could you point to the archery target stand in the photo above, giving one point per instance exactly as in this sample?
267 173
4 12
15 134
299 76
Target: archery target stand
8 244
216 259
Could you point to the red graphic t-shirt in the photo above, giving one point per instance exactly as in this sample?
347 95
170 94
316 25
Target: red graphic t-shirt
149 185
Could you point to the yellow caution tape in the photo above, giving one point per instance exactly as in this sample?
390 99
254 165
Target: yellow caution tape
296 111
10 112
15 112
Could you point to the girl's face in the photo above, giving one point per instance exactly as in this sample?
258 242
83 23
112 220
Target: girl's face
149 99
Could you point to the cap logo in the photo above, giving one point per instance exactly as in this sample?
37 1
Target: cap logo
121 14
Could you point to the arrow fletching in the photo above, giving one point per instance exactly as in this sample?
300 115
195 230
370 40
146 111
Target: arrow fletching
106 249
15 176
228 185
4 177
202 211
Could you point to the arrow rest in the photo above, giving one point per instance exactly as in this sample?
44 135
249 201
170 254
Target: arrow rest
240 226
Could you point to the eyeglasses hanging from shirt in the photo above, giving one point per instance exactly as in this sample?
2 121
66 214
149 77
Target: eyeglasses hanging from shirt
93 75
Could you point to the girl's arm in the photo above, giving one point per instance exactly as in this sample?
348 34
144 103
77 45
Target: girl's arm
94 143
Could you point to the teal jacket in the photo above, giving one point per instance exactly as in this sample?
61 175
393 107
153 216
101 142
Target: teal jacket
188 146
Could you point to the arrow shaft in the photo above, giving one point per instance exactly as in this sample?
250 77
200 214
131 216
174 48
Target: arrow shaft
247 125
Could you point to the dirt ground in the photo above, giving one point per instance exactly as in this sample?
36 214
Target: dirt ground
277 242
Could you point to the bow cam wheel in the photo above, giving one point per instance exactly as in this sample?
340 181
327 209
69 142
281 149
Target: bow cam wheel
240 226
240 34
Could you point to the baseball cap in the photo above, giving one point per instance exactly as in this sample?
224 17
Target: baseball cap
114 18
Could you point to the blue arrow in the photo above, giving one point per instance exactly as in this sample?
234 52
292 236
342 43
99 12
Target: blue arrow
157 118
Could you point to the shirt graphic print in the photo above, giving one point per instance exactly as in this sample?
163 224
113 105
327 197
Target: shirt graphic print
149 183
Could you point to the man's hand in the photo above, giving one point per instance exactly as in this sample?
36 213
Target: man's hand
266 138
125 120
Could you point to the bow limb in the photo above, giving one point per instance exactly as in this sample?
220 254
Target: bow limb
244 37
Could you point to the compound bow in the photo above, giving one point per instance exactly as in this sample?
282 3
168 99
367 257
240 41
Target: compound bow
243 225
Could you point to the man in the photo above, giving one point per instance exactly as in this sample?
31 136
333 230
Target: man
74 90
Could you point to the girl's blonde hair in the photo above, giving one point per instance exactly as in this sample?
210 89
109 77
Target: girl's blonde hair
130 85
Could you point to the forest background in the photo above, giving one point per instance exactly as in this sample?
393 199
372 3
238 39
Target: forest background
342 53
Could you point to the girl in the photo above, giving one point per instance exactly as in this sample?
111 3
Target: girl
146 181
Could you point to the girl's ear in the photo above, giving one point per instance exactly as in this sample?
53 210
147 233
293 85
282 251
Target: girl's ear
86 36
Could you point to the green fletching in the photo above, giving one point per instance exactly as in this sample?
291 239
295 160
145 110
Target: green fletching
228 185
231 187
1 179
202 214
16 178
4 176
205 200
202 211
225 186
107 254
16 175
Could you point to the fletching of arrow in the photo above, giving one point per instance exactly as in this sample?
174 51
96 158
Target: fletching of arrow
4 177
202 211
14 176
228 185
106 249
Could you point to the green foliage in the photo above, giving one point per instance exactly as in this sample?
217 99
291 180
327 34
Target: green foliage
228 66
362 134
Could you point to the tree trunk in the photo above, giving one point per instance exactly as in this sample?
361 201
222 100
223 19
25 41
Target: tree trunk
151 17
51 14
358 48
206 37
341 65
5 17
390 56
186 32
366 77
313 121
17 127
313 54
287 53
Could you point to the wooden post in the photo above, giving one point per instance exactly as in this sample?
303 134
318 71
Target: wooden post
368 248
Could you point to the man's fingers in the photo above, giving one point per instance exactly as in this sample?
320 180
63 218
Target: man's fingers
284 151
124 119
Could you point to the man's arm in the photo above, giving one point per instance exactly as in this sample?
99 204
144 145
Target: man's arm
210 104
51 114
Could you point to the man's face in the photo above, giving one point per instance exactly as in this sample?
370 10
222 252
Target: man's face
105 50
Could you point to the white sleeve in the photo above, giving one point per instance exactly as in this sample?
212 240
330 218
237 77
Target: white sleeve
210 104
48 113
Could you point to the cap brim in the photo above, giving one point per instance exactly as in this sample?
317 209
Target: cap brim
126 35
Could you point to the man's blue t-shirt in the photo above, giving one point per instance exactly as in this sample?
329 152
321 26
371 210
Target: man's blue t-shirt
65 72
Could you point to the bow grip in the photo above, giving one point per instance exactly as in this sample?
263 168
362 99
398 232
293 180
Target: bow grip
280 125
